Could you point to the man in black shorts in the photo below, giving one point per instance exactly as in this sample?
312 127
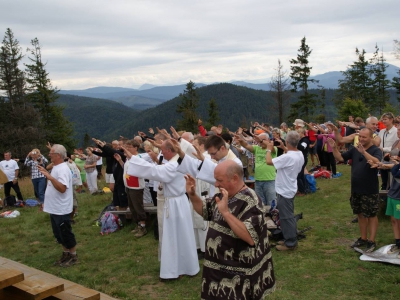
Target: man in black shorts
364 199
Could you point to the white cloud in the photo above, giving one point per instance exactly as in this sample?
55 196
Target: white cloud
129 43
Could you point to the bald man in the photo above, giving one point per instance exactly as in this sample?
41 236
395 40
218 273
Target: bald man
237 254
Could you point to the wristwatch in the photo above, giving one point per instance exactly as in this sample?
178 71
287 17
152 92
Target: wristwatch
268 150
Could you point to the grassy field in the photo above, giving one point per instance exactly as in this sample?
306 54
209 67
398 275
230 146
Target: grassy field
323 267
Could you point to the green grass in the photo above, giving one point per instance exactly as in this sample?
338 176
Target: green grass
323 266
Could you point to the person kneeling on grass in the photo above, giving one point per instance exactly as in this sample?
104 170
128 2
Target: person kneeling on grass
59 204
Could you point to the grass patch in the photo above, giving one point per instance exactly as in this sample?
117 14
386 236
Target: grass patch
323 267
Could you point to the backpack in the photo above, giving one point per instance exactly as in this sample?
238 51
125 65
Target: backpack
109 223
109 207
10 201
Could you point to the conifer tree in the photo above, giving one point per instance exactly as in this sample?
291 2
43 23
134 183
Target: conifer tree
379 82
279 87
187 107
43 97
213 114
300 75
12 79
357 81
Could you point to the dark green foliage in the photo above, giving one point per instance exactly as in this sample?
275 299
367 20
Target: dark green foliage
187 107
396 84
12 79
354 107
42 96
379 82
99 118
356 82
213 114
300 75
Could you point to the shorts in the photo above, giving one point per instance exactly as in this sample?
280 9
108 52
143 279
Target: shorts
393 208
367 205
62 230
110 178
313 150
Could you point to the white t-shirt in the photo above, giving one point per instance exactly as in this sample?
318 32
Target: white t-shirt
9 167
57 203
287 167
99 161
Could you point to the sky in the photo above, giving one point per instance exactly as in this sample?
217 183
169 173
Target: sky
127 43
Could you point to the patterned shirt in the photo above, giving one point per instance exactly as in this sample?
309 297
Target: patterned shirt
41 161
231 265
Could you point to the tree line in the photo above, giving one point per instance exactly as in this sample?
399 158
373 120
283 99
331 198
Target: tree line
29 117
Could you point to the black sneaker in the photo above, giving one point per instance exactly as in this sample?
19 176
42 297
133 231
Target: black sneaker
370 247
64 257
359 243
73 259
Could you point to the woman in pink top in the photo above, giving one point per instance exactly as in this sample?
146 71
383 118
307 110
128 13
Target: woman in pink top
327 152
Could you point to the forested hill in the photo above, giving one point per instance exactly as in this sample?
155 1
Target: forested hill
96 117
237 105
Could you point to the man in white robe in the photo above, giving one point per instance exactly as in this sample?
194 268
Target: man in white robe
178 252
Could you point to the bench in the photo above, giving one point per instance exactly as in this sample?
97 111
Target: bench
149 208
20 282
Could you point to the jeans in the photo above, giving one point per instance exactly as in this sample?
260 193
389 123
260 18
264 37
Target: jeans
266 191
39 185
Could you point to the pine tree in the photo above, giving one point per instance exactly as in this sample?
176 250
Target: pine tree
187 107
396 80
43 97
357 82
12 79
279 87
300 75
213 114
396 84
379 82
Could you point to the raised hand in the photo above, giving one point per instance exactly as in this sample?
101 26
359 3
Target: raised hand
199 122
177 148
198 153
154 143
190 185
151 131
175 135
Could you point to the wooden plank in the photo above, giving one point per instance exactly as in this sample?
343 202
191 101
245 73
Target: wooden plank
35 287
76 292
9 277
28 271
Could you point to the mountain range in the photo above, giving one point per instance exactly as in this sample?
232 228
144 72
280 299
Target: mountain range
149 95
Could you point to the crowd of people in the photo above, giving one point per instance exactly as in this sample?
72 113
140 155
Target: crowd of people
225 221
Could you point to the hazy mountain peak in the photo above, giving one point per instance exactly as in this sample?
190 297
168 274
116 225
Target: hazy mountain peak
147 86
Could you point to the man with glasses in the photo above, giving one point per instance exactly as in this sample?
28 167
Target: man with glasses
203 168
59 204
